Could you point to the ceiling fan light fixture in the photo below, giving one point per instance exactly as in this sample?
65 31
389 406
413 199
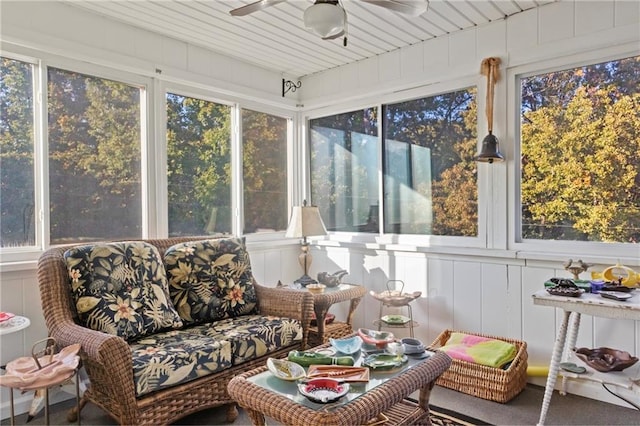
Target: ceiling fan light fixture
326 19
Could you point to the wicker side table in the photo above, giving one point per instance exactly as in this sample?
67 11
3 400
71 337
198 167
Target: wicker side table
321 333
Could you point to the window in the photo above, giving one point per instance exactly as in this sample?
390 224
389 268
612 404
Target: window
344 170
95 188
429 168
580 153
199 166
264 171
17 200
429 171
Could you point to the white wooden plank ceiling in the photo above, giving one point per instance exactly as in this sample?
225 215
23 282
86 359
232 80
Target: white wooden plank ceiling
275 37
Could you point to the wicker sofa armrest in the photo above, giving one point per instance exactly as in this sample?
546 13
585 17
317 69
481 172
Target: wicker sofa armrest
94 343
286 302
107 358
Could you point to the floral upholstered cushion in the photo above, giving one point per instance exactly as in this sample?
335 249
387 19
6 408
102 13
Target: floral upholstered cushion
253 336
210 280
178 356
121 289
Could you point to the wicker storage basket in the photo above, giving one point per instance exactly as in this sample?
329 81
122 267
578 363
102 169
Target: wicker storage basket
490 383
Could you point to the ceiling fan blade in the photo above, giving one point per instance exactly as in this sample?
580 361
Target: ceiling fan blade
335 36
254 7
408 7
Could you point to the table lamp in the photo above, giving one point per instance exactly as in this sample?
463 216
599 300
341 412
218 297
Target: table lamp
305 222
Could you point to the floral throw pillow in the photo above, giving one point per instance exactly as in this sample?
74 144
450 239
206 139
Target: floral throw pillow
121 289
210 280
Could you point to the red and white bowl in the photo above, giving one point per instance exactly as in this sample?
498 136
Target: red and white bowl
323 391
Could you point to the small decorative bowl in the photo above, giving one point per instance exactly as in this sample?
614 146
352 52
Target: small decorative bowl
316 288
285 370
323 391
347 346
379 339
606 359
412 346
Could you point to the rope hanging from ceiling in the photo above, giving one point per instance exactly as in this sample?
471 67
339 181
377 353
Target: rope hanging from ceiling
490 67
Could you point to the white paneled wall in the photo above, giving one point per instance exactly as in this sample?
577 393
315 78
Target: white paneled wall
475 295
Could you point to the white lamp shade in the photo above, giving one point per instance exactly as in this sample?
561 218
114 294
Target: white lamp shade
324 19
305 222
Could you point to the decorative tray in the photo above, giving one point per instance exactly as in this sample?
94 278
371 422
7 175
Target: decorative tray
395 319
285 370
323 391
606 359
338 372
24 372
391 297
565 291
616 295
384 361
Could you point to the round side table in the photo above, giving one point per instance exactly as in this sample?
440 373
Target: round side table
14 324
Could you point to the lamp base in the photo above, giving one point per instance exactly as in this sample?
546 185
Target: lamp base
305 280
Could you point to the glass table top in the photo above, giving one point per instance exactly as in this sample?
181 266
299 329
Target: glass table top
289 389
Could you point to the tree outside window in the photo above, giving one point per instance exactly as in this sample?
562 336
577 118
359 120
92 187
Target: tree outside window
428 162
430 181
199 166
95 187
580 153
264 171
17 202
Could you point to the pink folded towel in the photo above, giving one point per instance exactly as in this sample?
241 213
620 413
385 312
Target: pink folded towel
479 350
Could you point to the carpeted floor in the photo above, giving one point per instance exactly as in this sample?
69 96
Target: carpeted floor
443 417
438 417
522 410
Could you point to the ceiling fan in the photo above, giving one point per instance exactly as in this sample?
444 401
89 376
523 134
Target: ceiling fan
328 18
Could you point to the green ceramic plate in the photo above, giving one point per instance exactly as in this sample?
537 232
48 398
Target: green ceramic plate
384 361
395 319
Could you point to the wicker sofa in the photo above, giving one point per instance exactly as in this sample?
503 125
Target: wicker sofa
127 369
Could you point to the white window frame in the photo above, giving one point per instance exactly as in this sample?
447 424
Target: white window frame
236 104
551 249
407 241
42 61
145 84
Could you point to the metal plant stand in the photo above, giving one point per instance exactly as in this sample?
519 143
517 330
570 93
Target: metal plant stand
391 298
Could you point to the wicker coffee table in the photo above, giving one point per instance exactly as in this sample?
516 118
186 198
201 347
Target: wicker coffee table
262 394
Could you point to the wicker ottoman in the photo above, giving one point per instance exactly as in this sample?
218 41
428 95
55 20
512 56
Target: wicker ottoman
490 383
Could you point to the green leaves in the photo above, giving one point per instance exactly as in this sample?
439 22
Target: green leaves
581 157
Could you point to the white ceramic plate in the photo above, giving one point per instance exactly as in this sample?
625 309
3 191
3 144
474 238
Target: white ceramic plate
285 370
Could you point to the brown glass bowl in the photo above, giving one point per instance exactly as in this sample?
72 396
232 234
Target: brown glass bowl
606 359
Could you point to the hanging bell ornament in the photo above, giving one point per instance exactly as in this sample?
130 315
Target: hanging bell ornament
489 152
